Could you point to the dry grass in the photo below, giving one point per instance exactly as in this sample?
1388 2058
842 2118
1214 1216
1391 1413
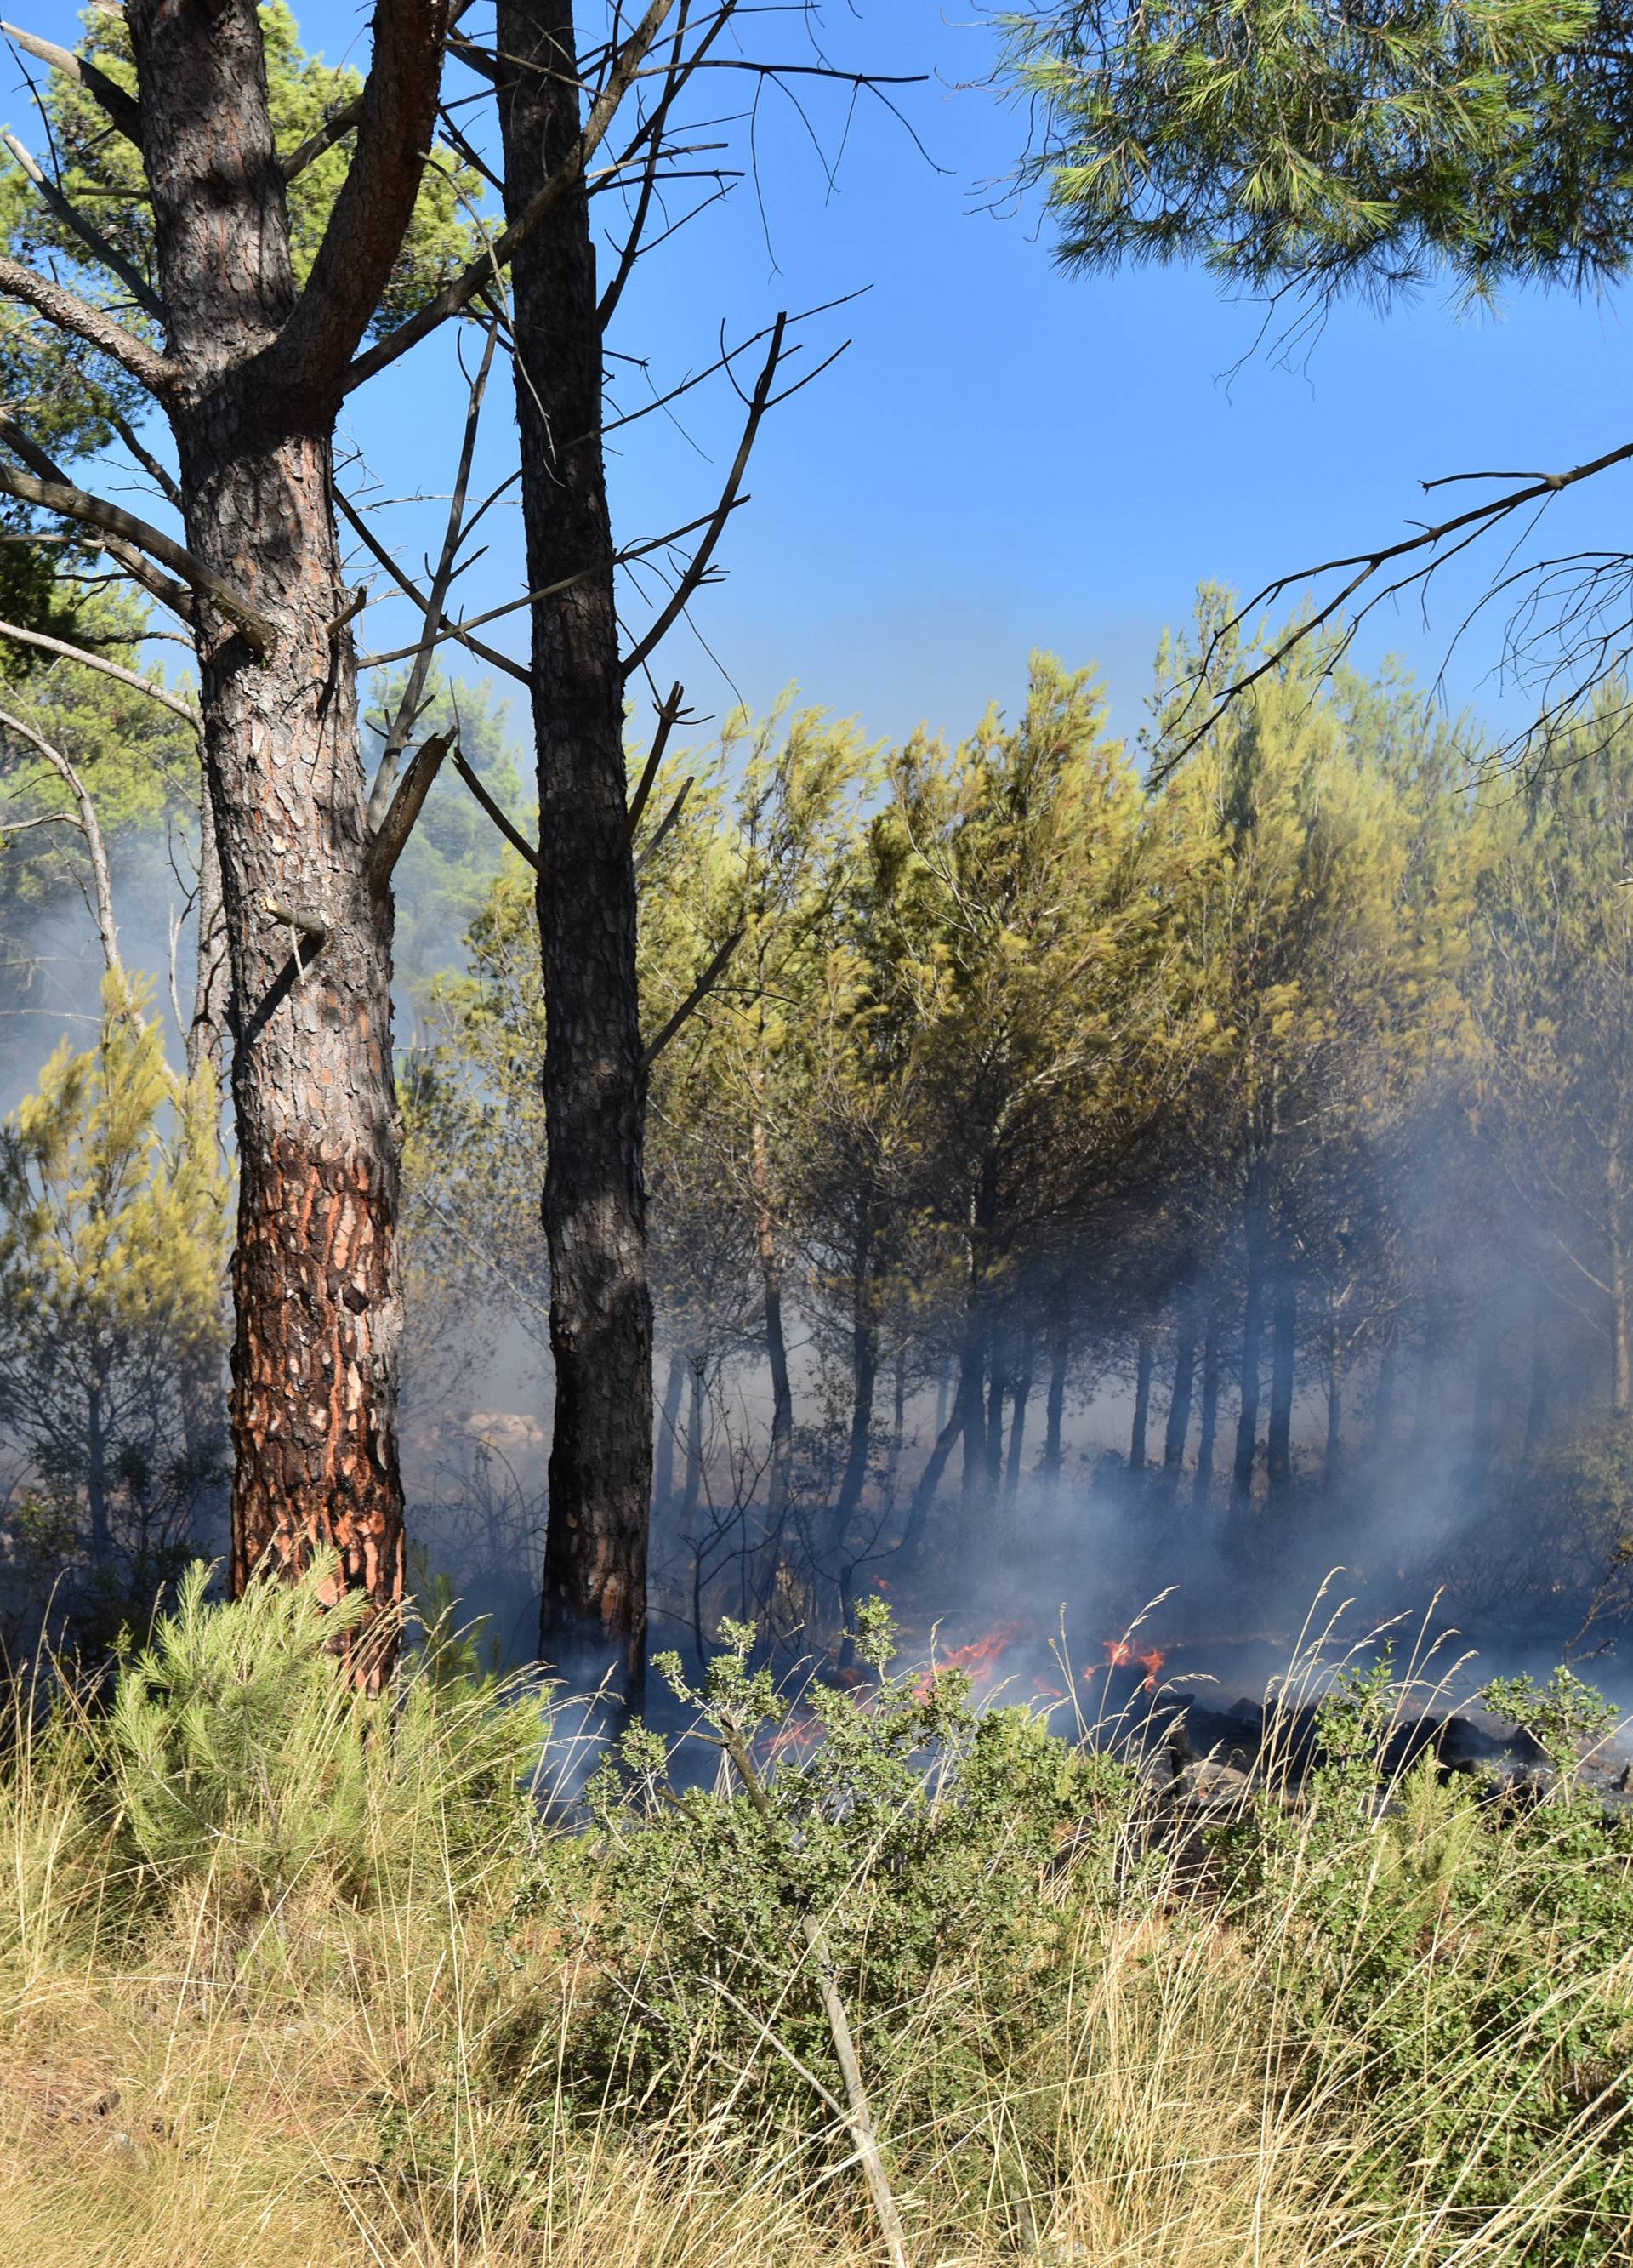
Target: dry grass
188 2080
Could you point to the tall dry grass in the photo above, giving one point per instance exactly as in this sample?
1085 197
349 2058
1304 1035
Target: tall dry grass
200 2068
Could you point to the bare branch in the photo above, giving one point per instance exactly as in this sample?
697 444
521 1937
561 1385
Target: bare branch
90 826
694 999
482 270
92 237
85 659
1361 568
158 474
670 819
72 315
332 130
517 841
490 654
692 579
76 503
123 109
408 707
668 716
392 835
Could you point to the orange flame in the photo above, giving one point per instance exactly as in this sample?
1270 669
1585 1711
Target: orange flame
979 1660
1121 1654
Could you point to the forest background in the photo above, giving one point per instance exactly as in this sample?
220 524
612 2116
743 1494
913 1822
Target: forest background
1150 1263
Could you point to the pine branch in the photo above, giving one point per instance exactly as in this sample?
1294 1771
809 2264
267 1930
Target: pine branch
81 321
92 237
122 109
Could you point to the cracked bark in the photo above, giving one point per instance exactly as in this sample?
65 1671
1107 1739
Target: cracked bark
593 1613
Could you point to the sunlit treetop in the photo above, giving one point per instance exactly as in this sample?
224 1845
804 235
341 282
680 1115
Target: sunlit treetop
1336 144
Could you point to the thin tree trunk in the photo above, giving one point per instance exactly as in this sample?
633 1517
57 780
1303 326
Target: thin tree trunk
692 1489
864 1381
998 1388
1143 1363
668 1424
977 1351
1256 1229
1383 1395
1177 1432
1055 1403
929 1481
1284 1360
780 1478
898 1431
595 1608
96 1483
1212 1366
1022 1394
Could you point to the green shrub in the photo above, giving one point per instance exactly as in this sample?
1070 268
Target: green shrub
234 1744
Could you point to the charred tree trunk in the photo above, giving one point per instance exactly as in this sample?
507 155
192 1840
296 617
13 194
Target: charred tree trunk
1212 1367
668 1424
1144 1362
255 375
600 1474
1284 1361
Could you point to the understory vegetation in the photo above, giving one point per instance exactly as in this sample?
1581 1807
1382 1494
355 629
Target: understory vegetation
292 1974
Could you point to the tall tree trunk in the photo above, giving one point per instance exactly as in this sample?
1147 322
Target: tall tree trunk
780 1477
1055 1402
1177 1432
1256 1237
1212 1366
668 1424
863 1380
259 372
977 1350
1021 1393
594 1609
1144 1362
1384 1394
1284 1360
998 1388
925 1491
898 1429
693 1487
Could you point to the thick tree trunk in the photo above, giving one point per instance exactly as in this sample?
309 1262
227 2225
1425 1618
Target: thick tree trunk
1177 1431
1143 1363
253 406
595 1608
1212 1366
1284 1360
668 1424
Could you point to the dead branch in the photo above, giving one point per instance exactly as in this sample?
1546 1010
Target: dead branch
92 237
360 527
512 835
392 835
70 313
122 109
668 716
93 512
332 130
694 999
86 659
90 827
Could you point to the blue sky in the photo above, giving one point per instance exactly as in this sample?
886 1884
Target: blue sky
1005 456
